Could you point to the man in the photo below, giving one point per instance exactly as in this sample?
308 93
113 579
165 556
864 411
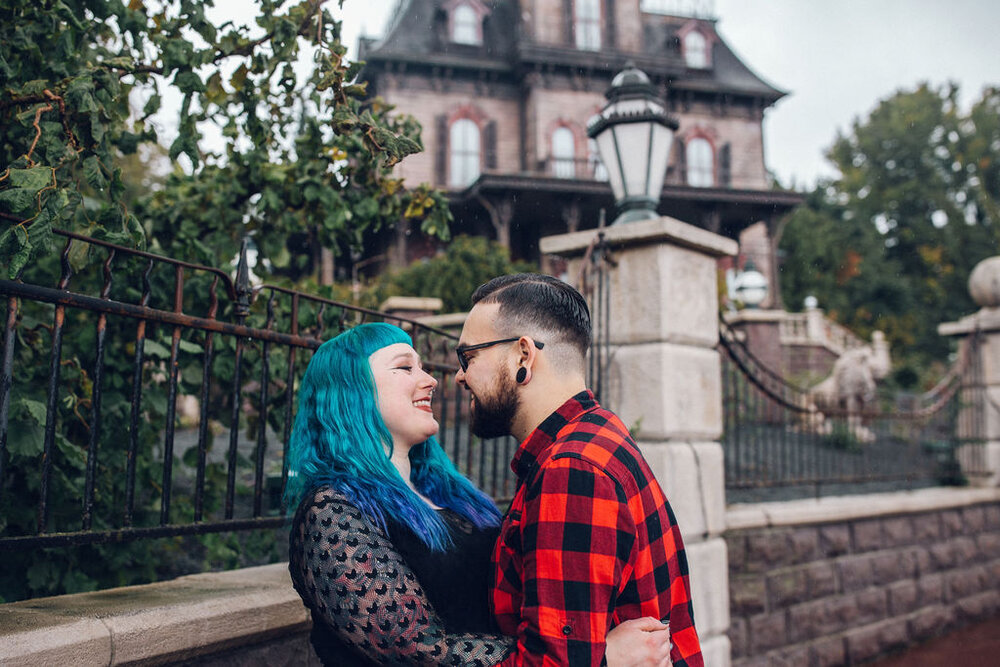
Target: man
589 539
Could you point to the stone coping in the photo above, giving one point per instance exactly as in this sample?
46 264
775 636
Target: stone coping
757 315
986 320
444 321
166 621
396 303
643 232
845 508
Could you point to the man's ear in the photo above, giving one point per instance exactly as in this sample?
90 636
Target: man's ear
527 355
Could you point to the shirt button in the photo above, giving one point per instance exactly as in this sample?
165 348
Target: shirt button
567 630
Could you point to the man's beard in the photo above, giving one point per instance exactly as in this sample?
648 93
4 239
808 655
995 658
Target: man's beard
493 414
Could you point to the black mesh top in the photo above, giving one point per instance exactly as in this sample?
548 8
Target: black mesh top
381 602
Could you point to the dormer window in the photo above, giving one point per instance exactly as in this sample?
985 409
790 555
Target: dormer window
465 21
587 24
465 25
696 53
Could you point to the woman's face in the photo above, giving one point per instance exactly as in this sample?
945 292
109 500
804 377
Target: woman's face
404 394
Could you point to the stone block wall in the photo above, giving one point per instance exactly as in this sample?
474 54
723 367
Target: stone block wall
844 592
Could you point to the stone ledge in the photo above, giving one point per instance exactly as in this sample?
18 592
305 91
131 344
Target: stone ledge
154 623
846 508
657 230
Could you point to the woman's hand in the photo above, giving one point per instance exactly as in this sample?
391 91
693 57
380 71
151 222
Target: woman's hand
640 642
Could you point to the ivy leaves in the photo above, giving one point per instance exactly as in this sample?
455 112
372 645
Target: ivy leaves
81 84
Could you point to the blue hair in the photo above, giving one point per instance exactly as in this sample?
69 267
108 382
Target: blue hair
339 439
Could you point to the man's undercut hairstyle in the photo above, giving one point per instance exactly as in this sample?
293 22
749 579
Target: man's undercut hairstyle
533 302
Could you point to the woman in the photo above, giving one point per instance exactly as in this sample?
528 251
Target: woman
390 545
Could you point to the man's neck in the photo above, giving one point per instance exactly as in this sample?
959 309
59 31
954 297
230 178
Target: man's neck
538 401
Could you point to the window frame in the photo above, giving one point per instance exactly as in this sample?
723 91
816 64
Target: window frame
699 174
463 160
563 165
698 58
473 24
586 28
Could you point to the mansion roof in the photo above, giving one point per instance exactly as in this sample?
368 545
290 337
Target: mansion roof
417 37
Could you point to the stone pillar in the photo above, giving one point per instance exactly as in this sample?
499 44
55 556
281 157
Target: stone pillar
665 383
980 412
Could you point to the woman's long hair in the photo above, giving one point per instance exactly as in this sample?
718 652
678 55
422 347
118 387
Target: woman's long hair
339 439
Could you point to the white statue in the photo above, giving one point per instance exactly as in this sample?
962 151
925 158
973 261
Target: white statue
851 387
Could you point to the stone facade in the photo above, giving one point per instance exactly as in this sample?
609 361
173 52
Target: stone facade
528 78
843 592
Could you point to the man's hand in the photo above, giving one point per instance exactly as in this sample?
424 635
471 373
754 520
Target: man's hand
640 642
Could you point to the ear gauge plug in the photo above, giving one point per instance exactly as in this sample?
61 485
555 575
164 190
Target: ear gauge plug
522 375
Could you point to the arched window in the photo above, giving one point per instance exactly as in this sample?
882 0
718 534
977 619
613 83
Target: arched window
695 50
563 153
597 168
700 163
587 24
465 25
463 142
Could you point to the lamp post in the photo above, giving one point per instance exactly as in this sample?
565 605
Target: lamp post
634 135
751 286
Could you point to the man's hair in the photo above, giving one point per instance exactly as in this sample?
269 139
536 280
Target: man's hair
536 303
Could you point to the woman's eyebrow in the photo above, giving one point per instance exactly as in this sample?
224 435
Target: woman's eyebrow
406 356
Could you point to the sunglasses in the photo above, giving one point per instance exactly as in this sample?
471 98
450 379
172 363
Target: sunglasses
462 350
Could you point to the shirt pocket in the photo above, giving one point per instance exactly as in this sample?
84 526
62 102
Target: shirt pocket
510 533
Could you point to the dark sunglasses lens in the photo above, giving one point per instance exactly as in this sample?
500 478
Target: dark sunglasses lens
463 361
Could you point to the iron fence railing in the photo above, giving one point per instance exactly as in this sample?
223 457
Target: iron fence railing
149 397
778 436
593 281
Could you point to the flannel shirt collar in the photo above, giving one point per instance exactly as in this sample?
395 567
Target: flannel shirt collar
527 455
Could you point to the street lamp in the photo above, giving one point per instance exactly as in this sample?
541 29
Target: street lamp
751 286
633 134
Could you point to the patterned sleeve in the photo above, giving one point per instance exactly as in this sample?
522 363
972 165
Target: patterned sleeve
577 541
346 570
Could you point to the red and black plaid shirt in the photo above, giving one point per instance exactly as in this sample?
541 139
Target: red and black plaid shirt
589 541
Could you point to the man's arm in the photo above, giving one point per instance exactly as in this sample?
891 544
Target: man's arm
577 540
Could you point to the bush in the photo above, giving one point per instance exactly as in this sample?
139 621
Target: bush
453 275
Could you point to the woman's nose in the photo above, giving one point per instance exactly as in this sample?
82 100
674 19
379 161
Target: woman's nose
430 380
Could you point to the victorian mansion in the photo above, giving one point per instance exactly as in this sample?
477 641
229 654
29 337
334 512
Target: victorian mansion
504 88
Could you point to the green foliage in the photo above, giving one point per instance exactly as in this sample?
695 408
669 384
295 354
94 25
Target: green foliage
452 276
890 243
303 163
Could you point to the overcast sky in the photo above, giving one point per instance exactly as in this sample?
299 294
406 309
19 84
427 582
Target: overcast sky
835 58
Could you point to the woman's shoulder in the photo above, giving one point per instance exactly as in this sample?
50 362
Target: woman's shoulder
327 502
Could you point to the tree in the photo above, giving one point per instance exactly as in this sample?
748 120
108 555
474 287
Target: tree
303 163
889 243
300 157
453 276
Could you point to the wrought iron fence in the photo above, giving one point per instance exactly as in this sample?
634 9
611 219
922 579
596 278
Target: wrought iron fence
594 283
167 411
780 441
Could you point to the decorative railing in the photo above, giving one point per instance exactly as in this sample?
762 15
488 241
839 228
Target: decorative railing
782 441
99 362
811 328
591 169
